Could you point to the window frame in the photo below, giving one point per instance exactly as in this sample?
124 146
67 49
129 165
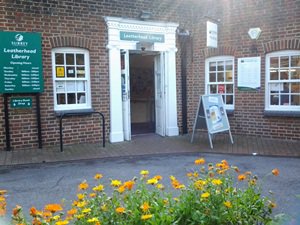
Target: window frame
223 58
76 106
279 107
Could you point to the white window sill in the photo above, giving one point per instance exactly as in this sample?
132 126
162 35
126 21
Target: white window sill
278 113
59 113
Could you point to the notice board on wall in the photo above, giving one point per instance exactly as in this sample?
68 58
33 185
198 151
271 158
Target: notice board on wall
211 115
21 62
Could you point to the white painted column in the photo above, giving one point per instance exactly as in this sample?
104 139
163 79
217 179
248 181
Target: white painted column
116 119
171 94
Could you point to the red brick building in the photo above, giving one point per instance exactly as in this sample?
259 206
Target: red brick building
146 74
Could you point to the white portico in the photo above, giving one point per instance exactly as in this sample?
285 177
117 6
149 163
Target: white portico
156 38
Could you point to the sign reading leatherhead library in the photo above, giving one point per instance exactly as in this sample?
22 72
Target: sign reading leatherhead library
21 63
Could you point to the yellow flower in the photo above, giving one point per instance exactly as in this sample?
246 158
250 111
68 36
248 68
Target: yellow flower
80 216
83 185
63 222
275 172
205 195
93 195
160 186
116 183
56 217
80 196
34 212
53 208
190 174
104 207
86 210
145 207
99 188
144 172
93 220
200 161
216 182
146 217
199 184
120 210
272 204
81 204
152 181
98 176
228 204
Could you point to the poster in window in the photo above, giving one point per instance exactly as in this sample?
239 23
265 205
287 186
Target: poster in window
221 88
60 71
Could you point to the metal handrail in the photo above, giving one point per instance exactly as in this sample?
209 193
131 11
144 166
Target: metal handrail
79 114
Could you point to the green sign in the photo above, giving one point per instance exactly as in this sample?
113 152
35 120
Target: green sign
21 63
146 37
21 103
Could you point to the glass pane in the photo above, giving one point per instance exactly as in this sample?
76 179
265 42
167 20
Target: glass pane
81 98
71 86
71 98
221 66
61 100
79 59
229 99
284 61
221 77
295 100
274 74
274 100
295 61
228 65
295 73
81 86
59 58
80 72
221 88
284 74
212 77
295 88
229 88
70 71
274 62
284 99
70 59
228 76
60 86
212 66
213 89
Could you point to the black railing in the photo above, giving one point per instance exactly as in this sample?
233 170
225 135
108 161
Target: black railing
80 114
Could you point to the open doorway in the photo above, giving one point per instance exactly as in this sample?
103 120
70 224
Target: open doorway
142 92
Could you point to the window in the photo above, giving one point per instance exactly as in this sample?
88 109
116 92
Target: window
71 79
220 78
283 81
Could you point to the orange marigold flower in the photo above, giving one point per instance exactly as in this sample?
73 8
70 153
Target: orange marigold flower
120 210
3 192
36 221
158 177
146 217
16 210
53 208
145 207
47 214
200 161
83 186
129 184
241 177
121 189
71 212
98 176
93 195
275 172
190 174
34 212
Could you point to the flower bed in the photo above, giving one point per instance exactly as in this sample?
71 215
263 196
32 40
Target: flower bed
215 194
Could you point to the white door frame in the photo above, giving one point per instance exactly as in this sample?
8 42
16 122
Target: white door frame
115 25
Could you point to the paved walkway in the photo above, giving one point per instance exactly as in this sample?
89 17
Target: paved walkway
154 144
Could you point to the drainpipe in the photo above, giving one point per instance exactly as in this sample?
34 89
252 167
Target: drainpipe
184 38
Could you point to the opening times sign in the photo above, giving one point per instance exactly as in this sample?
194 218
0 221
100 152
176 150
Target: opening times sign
21 63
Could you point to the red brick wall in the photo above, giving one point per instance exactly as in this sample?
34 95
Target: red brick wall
83 20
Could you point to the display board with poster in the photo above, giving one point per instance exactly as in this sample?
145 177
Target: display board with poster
211 115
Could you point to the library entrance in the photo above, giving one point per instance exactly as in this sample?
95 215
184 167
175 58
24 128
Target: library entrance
142 78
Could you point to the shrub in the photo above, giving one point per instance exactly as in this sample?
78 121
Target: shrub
215 194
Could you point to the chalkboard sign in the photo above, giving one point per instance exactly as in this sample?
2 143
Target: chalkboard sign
211 115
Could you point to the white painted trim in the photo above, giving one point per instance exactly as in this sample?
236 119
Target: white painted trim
114 45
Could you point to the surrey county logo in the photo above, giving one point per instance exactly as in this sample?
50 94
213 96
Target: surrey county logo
19 41
19 37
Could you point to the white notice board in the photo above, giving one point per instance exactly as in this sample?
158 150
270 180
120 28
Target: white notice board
249 73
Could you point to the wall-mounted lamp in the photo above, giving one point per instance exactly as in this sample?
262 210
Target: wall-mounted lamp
145 15
254 33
